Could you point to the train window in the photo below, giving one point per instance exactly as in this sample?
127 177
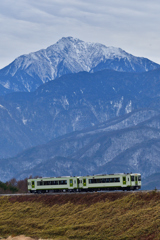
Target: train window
62 182
104 180
132 178
54 182
39 183
116 179
111 179
139 178
92 181
99 180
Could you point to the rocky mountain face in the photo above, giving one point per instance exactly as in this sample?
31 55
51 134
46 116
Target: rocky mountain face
129 143
68 55
72 103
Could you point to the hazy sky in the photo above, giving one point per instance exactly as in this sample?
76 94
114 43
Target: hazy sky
30 25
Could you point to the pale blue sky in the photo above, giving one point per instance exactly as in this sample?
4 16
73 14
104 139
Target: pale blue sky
30 25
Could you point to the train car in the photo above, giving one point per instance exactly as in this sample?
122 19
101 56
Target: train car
52 184
86 183
111 182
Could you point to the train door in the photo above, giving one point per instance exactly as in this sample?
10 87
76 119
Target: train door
71 183
75 183
78 182
33 184
84 182
128 180
124 180
136 180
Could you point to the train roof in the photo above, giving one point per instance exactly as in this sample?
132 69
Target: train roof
88 175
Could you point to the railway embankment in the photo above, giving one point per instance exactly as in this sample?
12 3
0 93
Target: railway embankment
117 215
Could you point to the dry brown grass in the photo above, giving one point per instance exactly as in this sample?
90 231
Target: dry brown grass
82 216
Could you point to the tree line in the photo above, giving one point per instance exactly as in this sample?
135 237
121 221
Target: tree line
14 186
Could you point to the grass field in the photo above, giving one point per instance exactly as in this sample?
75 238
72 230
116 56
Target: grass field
100 216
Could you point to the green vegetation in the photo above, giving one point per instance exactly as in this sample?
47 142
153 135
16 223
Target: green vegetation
100 216
14 186
7 188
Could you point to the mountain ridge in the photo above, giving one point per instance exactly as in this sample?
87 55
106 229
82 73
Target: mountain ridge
73 102
105 148
68 55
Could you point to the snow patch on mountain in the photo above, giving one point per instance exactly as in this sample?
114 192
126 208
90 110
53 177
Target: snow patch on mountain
128 108
118 105
24 121
6 84
2 106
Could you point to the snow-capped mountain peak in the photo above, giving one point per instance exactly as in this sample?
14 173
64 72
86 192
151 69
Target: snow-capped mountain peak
68 55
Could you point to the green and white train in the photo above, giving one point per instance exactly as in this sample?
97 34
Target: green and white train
104 182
